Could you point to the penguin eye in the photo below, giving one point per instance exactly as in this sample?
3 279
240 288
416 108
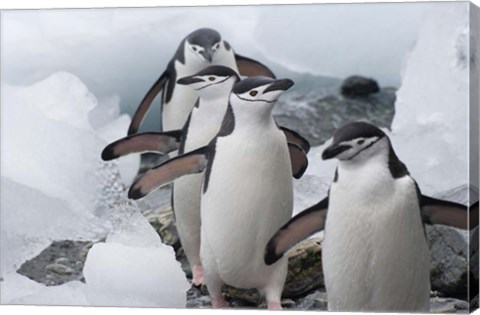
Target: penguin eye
216 46
360 142
211 78
253 93
194 48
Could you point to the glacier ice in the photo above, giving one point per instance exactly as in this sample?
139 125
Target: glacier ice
54 185
125 50
133 267
430 129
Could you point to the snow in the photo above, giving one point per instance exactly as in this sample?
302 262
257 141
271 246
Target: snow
133 267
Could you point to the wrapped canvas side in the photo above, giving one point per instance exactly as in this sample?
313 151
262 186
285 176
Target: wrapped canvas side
474 151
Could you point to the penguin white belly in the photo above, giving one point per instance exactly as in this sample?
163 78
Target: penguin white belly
375 255
204 125
225 58
249 196
175 113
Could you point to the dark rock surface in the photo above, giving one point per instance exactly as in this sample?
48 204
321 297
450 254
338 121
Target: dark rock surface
474 263
358 86
448 305
59 263
449 261
317 115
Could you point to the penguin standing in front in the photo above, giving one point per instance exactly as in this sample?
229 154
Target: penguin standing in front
375 253
213 86
200 49
247 191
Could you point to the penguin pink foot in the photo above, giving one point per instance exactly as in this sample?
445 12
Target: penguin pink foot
197 273
219 302
274 305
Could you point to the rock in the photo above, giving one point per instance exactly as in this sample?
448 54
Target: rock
317 115
474 266
60 269
449 263
304 268
474 303
448 305
358 86
304 274
474 254
198 299
164 223
314 301
57 264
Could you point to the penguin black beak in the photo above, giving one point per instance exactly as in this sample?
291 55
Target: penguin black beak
281 85
334 150
189 80
208 54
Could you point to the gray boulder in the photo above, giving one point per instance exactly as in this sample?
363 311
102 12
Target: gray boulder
316 115
449 263
448 305
358 86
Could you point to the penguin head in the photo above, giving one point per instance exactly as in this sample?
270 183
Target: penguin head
202 45
212 81
259 92
253 98
357 141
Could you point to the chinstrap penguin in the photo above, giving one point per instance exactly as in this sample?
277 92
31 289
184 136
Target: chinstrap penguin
213 86
200 49
375 253
247 191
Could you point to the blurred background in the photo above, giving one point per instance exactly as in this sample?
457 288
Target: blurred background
121 52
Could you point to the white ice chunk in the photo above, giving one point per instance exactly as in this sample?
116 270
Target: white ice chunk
62 97
430 129
133 268
128 164
32 293
31 220
54 185
106 111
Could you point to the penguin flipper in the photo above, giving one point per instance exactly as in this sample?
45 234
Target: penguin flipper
297 229
189 163
157 142
146 102
437 211
296 138
298 159
249 67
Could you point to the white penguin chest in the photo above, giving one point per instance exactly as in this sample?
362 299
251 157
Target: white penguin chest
249 196
205 123
375 255
176 111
